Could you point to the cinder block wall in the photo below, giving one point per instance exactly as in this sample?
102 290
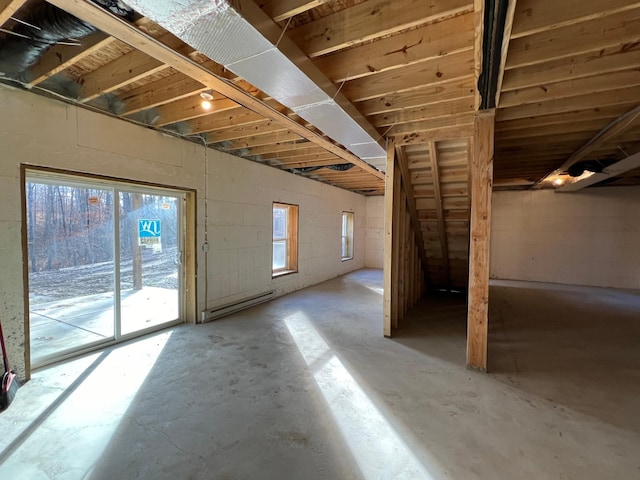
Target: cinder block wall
375 232
238 196
584 238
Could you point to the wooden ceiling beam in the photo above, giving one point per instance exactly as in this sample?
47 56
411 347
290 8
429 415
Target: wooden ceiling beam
428 42
191 107
60 57
278 147
445 133
608 133
432 124
431 72
571 88
264 127
583 125
131 35
8 8
370 20
281 10
593 36
168 89
623 96
561 119
302 163
535 16
427 95
231 118
127 69
586 65
423 112
261 140
303 152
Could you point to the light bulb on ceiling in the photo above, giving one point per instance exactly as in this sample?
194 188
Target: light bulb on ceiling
558 181
206 96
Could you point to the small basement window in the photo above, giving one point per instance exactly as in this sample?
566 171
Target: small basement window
347 235
285 239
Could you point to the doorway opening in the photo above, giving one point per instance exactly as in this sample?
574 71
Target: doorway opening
105 262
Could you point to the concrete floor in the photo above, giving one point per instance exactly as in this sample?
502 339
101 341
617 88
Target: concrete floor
305 387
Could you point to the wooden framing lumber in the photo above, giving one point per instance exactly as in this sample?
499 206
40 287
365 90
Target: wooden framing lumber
146 44
390 273
281 10
370 20
8 8
591 36
615 128
534 16
429 42
481 177
61 57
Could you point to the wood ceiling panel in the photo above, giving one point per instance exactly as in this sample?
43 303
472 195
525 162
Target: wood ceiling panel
371 20
591 36
431 72
533 16
428 42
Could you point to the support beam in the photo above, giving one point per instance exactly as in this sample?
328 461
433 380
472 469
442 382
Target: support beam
8 8
435 173
61 57
284 9
481 172
615 128
390 272
129 34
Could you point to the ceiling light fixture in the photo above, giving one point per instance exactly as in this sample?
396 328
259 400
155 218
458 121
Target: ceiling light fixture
207 97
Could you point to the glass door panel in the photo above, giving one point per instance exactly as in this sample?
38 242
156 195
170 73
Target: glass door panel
150 256
71 267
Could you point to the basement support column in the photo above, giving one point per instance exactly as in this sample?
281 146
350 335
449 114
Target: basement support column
390 272
481 173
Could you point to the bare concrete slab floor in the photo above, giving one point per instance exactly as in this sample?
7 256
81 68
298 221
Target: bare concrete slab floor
305 387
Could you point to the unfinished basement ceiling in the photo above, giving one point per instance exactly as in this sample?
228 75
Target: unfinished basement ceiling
567 83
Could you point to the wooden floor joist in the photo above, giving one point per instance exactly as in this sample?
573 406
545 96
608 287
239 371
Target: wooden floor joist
144 43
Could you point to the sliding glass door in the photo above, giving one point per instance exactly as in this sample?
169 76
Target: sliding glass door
150 260
104 262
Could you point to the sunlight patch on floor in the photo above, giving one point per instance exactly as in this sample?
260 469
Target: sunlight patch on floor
378 449
85 420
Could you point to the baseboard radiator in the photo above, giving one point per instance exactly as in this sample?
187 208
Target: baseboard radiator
229 308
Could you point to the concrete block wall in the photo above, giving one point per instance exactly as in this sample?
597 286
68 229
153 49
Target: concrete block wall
590 237
375 232
234 201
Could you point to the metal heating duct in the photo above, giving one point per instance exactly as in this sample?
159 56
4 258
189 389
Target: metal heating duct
242 38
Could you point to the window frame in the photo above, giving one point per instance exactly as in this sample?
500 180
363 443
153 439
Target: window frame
291 239
349 237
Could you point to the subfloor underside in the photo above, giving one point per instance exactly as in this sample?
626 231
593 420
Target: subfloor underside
306 387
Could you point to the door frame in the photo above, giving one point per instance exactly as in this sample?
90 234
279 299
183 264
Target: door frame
187 272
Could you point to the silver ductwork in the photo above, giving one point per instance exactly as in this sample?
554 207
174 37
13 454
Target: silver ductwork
242 38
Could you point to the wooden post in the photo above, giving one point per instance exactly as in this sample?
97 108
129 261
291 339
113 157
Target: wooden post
481 172
391 191
400 257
